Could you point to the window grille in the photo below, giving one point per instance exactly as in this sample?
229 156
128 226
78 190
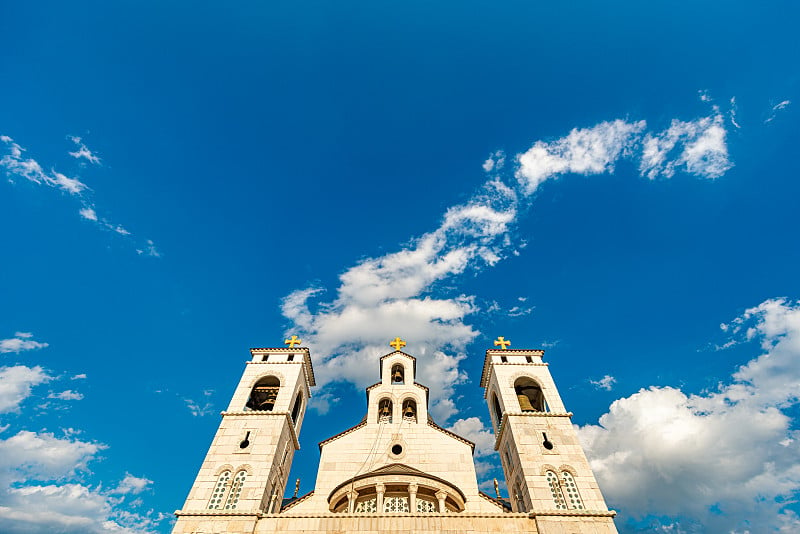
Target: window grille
218 495
572 491
555 490
369 505
425 506
236 490
395 504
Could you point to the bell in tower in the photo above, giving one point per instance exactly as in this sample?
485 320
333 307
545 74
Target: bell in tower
397 374
410 410
385 411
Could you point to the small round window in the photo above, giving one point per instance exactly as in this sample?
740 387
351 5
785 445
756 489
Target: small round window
397 449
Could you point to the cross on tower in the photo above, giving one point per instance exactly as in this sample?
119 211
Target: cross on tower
397 343
502 343
292 341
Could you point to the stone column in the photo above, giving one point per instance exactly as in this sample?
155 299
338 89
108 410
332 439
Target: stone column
412 497
442 495
380 489
351 501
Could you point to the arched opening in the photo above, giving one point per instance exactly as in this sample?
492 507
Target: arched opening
385 411
264 394
410 410
296 409
398 374
496 411
529 395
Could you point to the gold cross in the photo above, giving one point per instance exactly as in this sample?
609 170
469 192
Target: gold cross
397 343
502 343
292 341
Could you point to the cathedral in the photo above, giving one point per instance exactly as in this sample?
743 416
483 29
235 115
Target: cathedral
397 470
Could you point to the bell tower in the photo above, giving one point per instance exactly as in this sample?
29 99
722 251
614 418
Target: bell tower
547 473
245 470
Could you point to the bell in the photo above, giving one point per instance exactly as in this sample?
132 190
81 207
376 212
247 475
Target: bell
385 409
409 411
525 403
397 376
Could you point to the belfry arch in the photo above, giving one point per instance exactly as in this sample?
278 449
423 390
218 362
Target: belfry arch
264 394
529 395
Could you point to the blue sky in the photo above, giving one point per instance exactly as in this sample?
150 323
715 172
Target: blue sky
614 182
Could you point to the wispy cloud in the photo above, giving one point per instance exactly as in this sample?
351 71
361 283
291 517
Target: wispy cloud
21 341
773 112
202 407
17 165
726 459
402 293
82 152
66 395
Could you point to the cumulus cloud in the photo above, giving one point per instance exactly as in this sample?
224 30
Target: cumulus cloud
402 293
725 459
132 485
21 341
16 383
82 152
474 430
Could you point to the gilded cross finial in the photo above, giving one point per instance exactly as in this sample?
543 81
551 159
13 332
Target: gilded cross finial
292 341
397 343
502 343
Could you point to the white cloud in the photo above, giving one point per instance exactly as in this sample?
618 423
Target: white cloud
203 407
16 383
82 151
583 151
773 112
79 376
149 250
698 146
88 213
726 459
15 164
66 395
132 485
401 293
606 383
20 342
473 429
733 111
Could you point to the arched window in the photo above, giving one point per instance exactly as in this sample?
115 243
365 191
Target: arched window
529 395
264 394
296 410
426 505
496 411
385 411
555 491
218 495
398 374
410 410
236 490
571 490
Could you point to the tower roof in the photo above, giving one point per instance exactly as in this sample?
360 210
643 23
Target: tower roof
507 352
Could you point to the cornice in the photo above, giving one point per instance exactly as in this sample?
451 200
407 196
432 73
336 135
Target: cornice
572 513
451 434
286 350
517 352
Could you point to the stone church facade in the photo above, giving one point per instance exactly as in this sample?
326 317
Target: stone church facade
396 471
